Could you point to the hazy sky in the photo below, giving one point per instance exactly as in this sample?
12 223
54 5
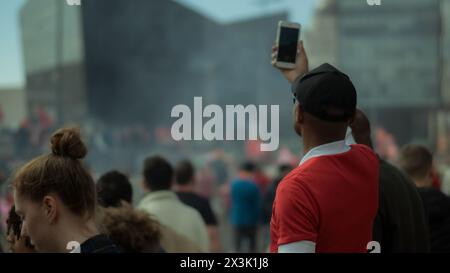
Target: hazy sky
11 72
229 11
11 63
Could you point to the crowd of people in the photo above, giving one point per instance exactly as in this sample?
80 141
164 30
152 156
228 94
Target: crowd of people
57 202
341 197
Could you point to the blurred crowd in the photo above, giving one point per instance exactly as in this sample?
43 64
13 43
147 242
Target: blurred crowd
195 208
343 195
199 208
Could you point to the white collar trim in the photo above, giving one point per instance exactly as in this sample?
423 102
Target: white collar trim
333 148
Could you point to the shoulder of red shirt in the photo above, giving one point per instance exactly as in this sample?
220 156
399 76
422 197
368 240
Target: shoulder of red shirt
359 148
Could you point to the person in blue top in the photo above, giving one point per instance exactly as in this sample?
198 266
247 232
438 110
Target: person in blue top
245 207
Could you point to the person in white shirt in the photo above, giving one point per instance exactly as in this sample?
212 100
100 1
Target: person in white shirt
163 204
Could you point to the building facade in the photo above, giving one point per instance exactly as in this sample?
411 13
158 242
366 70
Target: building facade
54 59
392 53
129 62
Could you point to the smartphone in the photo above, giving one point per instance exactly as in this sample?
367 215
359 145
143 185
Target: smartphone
288 36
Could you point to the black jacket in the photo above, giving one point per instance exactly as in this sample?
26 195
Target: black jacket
99 244
437 208
400 225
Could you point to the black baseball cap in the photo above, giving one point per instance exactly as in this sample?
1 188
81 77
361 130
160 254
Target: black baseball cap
326 93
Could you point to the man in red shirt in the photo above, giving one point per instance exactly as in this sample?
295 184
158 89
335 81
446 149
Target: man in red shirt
329 202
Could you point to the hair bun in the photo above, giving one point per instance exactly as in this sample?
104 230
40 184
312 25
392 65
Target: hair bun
67 142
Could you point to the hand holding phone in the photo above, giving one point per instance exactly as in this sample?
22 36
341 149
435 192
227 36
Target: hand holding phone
288 36
288 53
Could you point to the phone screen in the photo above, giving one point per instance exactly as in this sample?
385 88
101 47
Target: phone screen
287 45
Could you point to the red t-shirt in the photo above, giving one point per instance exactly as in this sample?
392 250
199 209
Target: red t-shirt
331 200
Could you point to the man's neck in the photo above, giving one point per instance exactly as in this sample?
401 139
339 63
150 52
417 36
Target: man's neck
185 188
422 183
311 143
246 175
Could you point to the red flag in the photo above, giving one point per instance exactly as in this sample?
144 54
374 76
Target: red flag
287 157
44 119
253 149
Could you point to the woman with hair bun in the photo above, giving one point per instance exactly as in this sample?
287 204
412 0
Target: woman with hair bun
55 197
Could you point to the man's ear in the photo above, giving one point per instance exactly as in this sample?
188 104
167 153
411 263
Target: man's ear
50 206
298 118
352 119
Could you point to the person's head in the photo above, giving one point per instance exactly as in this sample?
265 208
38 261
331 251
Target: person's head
361 129
325 104
248 168
113 188
133 230
158 174
54 194
284 169
417 162
184 173
16 242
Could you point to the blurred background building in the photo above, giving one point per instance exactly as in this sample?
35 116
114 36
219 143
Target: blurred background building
120 63
117 67
54 59
393 53
321 38
445 11
128 63
137 70
12 102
